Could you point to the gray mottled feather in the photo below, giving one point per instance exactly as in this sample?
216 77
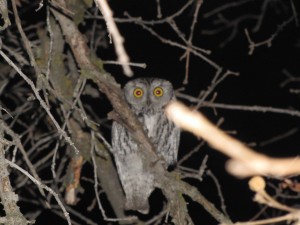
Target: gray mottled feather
137 182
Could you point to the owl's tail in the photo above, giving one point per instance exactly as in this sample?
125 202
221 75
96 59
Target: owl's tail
137 182
138 203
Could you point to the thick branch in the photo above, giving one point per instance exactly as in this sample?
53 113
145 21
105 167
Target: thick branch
8 198
245 161
105 81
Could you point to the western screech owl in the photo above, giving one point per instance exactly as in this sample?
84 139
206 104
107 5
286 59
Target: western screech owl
147 97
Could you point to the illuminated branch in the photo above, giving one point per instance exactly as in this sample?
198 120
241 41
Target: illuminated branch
244 160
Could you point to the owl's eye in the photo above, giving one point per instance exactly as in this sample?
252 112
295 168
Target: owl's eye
138 92
158 91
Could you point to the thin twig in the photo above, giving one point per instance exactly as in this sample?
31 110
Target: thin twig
141 65
253 45
130 218
225 7
295 13
187 54
25 40
25 156
117 38
172 43
149 22
42 102
50 43
214 178
279 137
66 214
255 108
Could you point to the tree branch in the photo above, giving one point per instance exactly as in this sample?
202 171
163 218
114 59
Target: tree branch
245 161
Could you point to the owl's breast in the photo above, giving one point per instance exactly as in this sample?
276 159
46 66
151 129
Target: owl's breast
152 122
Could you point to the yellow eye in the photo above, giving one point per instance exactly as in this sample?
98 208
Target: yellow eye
158 91
138 92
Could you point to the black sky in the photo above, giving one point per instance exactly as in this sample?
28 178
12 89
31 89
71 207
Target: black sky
258 83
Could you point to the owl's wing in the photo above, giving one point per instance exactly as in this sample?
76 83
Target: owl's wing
165 137
137 182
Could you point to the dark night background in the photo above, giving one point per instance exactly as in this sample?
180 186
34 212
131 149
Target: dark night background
258 84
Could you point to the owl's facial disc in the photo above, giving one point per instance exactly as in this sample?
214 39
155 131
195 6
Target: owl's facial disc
148 95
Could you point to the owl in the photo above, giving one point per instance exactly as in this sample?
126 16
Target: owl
147 97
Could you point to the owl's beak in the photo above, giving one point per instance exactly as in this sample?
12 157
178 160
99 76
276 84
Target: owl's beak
148 102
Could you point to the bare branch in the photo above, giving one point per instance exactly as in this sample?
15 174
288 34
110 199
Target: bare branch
141 65
255 108
4 14
8 197
117 38
130 218
268 42
56 196
42 102
245 161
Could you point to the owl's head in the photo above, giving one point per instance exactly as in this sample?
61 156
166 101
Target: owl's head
146 95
